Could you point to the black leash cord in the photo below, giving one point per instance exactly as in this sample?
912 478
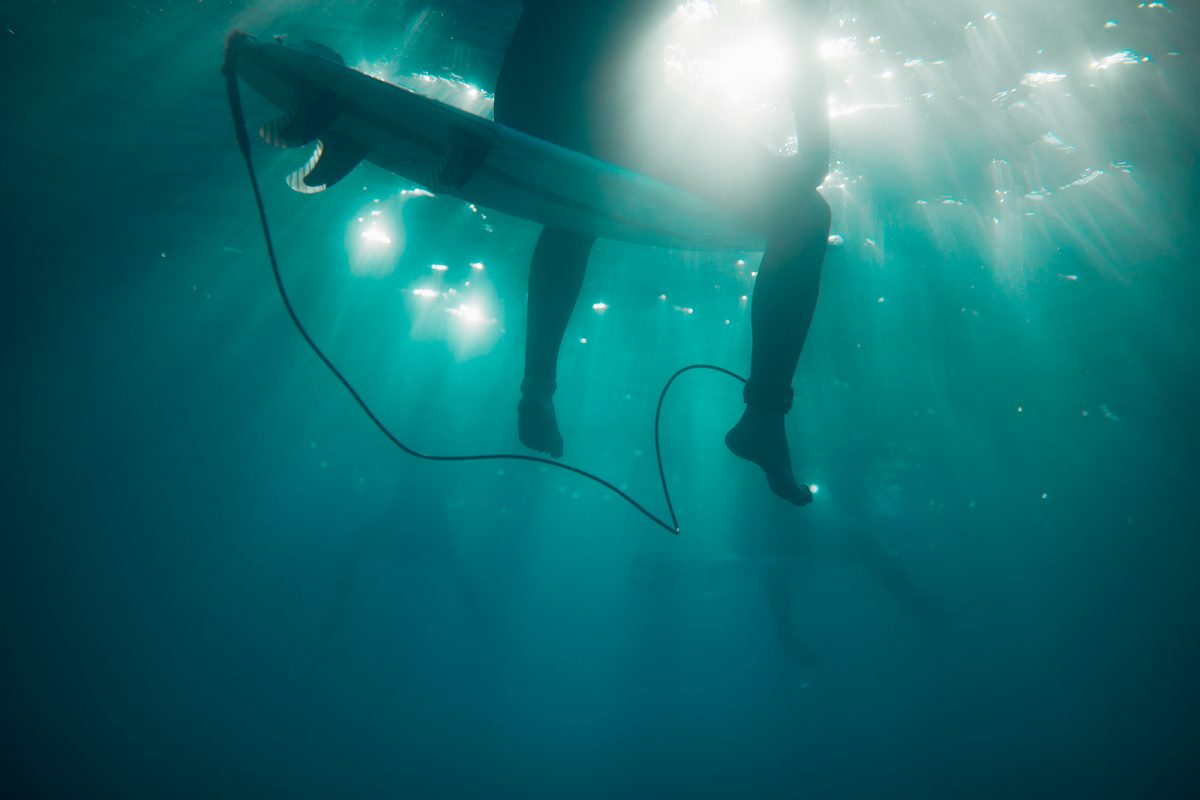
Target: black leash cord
243 139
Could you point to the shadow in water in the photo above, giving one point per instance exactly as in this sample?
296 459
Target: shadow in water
411 537
774 565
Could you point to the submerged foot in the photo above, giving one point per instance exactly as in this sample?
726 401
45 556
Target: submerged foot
537 425
760 437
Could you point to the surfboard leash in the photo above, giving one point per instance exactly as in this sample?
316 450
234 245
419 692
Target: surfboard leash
229 70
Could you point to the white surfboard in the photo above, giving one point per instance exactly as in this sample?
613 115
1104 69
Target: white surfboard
354 117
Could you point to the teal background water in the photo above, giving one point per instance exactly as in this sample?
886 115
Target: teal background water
219 580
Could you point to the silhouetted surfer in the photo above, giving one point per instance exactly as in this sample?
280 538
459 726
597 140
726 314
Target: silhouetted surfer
571 76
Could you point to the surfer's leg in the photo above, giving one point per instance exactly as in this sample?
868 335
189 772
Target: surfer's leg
785 297
785 294
555 279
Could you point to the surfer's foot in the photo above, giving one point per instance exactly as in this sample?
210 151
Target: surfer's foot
537 425
760 437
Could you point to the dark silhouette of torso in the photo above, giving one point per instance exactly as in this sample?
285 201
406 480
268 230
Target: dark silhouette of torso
568 66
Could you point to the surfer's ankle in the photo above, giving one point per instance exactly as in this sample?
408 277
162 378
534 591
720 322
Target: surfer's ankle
760 437
766 400
536 386
537 424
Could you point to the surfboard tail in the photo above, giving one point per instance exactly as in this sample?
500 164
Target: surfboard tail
289 77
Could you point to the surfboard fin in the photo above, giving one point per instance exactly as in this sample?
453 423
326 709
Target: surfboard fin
299 126
333 159
310 117
296 180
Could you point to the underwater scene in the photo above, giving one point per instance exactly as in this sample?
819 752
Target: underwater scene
223 576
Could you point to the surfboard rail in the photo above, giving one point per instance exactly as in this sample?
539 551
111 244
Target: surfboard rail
351 117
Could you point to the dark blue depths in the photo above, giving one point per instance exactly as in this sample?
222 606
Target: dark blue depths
219 580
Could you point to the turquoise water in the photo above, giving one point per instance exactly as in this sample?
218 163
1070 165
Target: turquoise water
220 580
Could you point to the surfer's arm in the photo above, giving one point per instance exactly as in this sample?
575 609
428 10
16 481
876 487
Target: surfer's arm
806 87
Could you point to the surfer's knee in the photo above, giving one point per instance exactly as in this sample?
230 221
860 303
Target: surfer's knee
560 244
802 217
816 209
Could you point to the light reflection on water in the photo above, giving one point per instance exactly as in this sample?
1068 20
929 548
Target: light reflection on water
1018 408
1001 148
911 95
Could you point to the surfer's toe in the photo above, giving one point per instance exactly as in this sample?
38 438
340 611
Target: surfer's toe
537 425
762 440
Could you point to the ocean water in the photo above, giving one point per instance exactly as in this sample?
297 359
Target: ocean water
219 580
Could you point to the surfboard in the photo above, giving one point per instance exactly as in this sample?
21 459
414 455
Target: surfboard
352 117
